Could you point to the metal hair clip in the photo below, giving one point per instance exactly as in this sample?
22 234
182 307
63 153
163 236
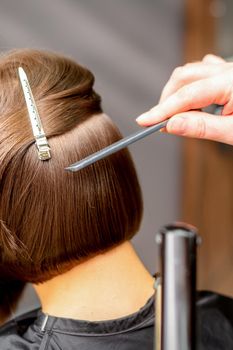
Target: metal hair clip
38 132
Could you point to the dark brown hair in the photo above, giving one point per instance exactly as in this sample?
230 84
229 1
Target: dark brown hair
51 219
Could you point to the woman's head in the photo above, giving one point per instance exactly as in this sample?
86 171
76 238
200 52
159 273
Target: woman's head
51 219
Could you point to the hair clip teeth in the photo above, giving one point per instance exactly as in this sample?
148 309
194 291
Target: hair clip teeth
44 154
43 148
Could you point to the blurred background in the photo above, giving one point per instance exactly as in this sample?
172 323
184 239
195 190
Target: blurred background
132 47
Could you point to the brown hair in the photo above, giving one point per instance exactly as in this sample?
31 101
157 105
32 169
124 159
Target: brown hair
51 219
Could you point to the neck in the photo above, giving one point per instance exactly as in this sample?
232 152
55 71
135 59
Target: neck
110 285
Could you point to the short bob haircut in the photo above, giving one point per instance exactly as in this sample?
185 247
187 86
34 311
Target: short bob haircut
50 219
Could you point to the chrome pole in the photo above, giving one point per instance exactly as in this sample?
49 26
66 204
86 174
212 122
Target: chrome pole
177 250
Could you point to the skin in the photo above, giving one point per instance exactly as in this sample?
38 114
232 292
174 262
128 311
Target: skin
107 286
191 88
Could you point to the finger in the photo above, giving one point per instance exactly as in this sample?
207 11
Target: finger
203 126
210 58
199 94
190 73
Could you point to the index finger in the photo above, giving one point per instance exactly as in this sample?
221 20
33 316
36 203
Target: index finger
188 74
195 95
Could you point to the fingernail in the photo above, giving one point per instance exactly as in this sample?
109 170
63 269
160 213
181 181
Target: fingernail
143 118
154 115
177 124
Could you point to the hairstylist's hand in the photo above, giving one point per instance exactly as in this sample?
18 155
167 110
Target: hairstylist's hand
192 87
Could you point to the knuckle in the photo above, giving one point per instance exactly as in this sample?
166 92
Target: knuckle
210 58
177 73
182 74
185 93
201 127
207 56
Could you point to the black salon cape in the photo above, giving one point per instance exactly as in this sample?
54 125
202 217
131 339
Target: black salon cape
135 332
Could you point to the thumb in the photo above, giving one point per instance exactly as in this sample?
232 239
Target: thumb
203 126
